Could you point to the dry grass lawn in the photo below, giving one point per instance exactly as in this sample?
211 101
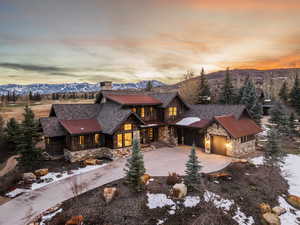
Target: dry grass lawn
41 109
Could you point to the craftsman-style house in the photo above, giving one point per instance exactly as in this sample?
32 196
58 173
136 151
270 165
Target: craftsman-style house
118 117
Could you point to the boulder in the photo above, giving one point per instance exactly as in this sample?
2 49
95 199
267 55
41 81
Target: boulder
29 177
75 220
173 178
89 162
220 175
145 178
270 219
109 193
179 190
41 172
278 210
294 201
264 208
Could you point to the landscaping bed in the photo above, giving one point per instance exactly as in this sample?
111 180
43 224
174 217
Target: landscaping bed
12 184
227 201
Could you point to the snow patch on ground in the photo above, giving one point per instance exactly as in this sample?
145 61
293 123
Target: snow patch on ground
161 200
187 121
49 217
290 217
258 161
53 177
290 171
226 204
158 201
16 192
191 201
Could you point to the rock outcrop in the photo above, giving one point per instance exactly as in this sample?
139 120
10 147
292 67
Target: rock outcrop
109 193
41 172
179 191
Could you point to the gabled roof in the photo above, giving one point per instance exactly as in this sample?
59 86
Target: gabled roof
51 127
75 111
166 98
212 110
112 115
238 127
81 126
133 99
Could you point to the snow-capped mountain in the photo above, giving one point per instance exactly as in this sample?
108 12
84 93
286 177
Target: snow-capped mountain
69 87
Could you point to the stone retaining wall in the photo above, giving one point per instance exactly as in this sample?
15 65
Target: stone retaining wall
88 154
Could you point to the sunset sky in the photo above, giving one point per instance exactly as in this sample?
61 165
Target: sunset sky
58 41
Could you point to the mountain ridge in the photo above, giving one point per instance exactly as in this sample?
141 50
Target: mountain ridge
44 88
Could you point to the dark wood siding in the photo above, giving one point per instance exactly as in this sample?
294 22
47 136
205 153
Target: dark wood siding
55 145
73 142
151 113
181 108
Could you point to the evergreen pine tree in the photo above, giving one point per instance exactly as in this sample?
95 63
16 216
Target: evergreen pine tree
204 91
227 95
295 94
193 168
273 153
1 127
28 138
248 97
30 96
149 85
292 125
135 166
279 117
283 93
12 132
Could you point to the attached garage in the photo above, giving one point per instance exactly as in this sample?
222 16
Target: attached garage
218 145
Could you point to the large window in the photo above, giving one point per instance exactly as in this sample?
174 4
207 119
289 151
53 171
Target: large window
81 140
142 112
97 138
127 139
172 111
127 126
120 140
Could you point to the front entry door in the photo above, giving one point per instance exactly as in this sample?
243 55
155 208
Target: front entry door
219 145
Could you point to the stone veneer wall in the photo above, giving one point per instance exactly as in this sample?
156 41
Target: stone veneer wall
87 154
237 148
165 136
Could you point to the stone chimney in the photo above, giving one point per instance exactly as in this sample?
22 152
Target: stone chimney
106 85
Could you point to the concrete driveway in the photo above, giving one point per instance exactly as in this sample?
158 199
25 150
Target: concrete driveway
22 209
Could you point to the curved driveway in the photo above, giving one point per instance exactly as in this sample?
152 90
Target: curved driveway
22 209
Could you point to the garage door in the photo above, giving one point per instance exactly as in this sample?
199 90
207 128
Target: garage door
219 145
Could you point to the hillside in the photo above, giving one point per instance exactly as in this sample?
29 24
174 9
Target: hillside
267 81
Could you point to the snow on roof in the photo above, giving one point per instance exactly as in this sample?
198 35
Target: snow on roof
188 121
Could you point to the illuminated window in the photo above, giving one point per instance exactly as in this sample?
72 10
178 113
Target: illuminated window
127 139
97 138
128 126
172 111
120 140
150 133
142 112
151 109
81 140
133 110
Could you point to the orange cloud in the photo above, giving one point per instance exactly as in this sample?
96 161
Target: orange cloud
240 4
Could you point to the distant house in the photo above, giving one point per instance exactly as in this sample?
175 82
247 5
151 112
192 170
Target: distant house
118 117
